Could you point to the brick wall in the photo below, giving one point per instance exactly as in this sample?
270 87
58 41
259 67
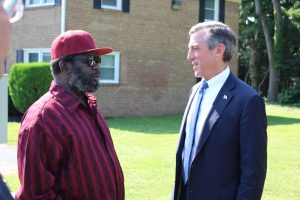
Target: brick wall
37 29
155 77
152 39
232 14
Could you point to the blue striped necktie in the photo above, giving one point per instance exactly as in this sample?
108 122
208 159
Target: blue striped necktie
189 141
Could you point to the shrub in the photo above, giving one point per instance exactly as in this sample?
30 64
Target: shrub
12 111
27 82
291 94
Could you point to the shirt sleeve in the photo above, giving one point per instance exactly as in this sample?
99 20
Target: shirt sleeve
38 159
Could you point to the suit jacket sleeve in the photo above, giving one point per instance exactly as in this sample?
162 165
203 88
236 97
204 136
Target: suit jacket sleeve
253 149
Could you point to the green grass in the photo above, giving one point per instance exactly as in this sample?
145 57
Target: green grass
146 148
283 173
13 128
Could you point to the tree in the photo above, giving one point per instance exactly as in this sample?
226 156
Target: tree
273 70
253 63
290 62
253 56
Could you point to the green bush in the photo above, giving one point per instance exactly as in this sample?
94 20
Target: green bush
27 82
12 111
291 94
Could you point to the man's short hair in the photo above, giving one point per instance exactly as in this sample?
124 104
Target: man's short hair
218 33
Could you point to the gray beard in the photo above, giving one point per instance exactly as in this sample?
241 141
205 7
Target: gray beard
81 84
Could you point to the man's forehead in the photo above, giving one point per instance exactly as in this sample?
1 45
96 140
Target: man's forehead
199 34
197 37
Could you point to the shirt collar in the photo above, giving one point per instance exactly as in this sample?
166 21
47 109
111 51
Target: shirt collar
70 101
219 78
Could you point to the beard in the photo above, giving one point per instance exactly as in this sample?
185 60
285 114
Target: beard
81 83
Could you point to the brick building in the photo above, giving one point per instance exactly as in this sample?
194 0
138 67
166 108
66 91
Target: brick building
147 74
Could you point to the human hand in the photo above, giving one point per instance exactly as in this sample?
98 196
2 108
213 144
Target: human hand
14 9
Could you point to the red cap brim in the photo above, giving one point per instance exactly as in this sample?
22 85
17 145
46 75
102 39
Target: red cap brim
99 51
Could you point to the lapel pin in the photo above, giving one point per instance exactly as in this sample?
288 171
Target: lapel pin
225 97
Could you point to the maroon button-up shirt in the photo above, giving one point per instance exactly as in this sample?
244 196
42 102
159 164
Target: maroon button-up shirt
65 151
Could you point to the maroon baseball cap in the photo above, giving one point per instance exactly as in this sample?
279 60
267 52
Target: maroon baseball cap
75 42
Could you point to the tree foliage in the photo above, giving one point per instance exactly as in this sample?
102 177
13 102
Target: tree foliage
253 57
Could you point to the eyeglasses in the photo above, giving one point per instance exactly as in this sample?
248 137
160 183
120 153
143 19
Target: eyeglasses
13 8
90 60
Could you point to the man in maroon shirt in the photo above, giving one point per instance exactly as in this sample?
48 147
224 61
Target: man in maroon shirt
65 150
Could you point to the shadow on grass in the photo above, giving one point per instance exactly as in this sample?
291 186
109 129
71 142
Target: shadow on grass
170 124
14 118
167 124
276 120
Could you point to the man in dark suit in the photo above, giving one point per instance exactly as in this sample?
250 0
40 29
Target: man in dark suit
222 151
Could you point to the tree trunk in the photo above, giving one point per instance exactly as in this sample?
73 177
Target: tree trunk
273 77
254 57
277 41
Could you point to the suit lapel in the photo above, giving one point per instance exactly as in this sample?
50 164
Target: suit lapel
192 96
183 123
220 103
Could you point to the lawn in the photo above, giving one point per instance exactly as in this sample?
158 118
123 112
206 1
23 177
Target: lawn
146 148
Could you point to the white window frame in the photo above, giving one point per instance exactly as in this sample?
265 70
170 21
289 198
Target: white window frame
41 3
117 7
40 51
116 79
216 11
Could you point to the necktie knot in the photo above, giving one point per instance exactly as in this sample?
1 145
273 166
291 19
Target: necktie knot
204 86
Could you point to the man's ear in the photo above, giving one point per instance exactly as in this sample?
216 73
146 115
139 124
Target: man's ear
220 49
64 67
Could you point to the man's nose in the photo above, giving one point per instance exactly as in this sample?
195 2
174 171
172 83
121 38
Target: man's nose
96 67
189 56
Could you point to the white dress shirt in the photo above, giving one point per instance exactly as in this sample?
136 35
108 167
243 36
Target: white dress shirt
214 86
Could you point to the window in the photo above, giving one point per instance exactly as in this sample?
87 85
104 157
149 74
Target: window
112 4
122 5
37 55
35 3
211 10
176 4
110 65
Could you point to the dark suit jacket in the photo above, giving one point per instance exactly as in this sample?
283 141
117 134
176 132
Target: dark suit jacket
4 191
231 158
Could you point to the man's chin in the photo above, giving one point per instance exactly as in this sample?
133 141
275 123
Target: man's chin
94 88
197 75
